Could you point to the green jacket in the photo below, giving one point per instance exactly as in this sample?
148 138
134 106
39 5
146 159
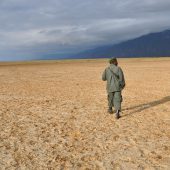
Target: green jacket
114 77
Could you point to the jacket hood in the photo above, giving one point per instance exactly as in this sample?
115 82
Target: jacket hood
114 68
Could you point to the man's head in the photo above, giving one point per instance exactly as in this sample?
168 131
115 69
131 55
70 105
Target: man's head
113 61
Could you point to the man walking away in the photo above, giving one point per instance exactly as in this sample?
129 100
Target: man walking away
115 84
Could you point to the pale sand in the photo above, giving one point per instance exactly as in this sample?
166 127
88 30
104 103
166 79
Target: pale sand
54 116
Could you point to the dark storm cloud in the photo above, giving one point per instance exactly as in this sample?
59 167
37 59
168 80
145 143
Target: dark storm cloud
32 28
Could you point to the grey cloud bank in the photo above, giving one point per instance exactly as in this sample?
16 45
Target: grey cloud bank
30 29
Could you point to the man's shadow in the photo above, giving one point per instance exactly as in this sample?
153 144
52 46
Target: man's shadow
144 106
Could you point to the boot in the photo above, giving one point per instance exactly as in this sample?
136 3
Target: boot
117 114
110 110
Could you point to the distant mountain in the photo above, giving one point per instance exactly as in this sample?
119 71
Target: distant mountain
150 45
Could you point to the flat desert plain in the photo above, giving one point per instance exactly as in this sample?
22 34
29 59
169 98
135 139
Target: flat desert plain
53 115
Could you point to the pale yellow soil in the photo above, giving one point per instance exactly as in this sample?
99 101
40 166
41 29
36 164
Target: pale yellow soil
54 116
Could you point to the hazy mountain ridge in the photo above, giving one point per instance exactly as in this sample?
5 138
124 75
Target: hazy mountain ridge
150 45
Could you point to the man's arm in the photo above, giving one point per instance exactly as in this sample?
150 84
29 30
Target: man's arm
104 75
121 78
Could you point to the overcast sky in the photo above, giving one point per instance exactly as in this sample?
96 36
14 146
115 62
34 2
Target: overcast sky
31 28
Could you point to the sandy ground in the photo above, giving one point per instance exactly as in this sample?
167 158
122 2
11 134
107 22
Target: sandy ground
54 116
